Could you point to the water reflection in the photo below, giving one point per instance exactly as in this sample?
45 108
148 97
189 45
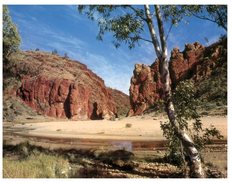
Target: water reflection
125 145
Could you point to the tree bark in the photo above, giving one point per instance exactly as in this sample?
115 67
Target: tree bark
196 169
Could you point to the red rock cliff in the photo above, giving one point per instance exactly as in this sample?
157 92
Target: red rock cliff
59 87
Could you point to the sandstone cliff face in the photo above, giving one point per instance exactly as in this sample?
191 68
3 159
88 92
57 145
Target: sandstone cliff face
59 98
61 88
195 62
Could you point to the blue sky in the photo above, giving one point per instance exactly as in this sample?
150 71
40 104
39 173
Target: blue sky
62 28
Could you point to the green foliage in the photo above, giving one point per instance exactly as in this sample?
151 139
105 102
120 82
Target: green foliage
213 90
186 104
122 110
157 107
126 22
11 38
66 56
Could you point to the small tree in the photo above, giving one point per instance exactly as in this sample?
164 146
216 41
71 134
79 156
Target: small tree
11 38
66 55
54 52
128 28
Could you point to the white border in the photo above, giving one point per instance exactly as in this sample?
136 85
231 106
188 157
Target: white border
62 2
115 2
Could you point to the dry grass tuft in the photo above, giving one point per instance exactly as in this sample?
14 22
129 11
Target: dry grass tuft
37 165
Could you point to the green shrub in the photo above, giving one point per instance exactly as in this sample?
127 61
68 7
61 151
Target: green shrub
185 104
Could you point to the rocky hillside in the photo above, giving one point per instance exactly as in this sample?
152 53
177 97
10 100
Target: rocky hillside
206 66
121 101
59 87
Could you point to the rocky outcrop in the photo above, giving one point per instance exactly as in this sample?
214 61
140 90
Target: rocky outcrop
183 64
62 88
195 62
144 89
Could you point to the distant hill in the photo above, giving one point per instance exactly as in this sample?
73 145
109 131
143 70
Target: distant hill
47 84
206 66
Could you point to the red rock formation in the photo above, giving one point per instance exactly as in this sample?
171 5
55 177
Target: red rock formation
59 98
62 88
144 89
195 62
182 64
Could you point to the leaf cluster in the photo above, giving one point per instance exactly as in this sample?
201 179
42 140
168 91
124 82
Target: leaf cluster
11 38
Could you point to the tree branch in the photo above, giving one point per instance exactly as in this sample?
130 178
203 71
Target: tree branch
206 18
154 38
220 23
135 10
203 18
161 31
144 39
169 30
220 20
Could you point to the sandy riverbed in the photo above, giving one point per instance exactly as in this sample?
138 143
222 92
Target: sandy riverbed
133 128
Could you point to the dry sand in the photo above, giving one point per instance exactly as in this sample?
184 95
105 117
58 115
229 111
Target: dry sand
142 128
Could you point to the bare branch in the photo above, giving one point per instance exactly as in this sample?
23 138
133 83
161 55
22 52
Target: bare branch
203 18
220 20
169 30
144 39
211 20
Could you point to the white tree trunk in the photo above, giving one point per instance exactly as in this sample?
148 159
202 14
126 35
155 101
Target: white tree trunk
196 169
